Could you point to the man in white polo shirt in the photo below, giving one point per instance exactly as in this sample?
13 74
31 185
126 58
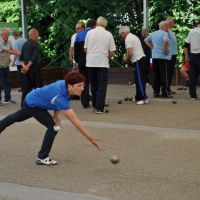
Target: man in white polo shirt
136 55
193 42
99 47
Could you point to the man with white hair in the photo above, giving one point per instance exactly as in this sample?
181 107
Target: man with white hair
30 61
5 50
174 51
99 47
159 42
136 55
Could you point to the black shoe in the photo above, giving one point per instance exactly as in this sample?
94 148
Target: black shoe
155 95
171 92
10 102
86 107
97 111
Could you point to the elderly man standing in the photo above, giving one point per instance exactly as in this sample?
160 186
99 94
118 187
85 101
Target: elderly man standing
5 50
30 61
19 42
99 47
193 43
80 59
80 26
159 42
136 55
147 51
174 51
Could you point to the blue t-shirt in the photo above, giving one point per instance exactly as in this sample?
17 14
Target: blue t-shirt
157 38
80 37
51 97
18 45
173 43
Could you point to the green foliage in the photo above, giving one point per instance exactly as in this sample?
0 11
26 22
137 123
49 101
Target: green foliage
184 12
56 20
9 11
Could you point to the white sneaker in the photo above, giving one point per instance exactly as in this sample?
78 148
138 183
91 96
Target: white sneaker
194 99
146 101
10 101
133 85
147 84
46 161
141 102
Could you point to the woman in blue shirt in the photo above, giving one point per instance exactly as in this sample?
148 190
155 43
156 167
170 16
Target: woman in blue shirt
56 97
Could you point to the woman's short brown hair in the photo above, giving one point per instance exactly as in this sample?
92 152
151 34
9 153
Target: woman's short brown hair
73 78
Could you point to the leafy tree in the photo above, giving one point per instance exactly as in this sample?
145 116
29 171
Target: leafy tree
184 12
56 19
9 11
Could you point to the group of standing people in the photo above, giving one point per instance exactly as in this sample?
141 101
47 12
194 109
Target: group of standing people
92 49
90 52
26 58
158 49
163 44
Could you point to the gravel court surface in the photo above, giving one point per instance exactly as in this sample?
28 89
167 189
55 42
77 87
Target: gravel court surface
158 147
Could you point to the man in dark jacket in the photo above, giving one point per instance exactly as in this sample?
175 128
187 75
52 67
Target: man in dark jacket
147 51
80 59
30 61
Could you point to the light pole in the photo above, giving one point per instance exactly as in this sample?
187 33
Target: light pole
145 13
23 16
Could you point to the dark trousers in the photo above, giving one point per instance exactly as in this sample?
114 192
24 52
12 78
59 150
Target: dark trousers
160 76
147 69
5 82
41 116
32 80
98 77
171 68
140 79
194 73
21 76
85 95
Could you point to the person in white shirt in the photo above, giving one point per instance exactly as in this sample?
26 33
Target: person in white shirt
99 47
80 26
174 52
136 55
193 43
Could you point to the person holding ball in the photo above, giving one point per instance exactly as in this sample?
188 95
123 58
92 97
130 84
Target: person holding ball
56 97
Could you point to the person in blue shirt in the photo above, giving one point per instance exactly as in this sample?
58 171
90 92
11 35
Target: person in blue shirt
56 97
80 59
174 52
19 42
159 42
